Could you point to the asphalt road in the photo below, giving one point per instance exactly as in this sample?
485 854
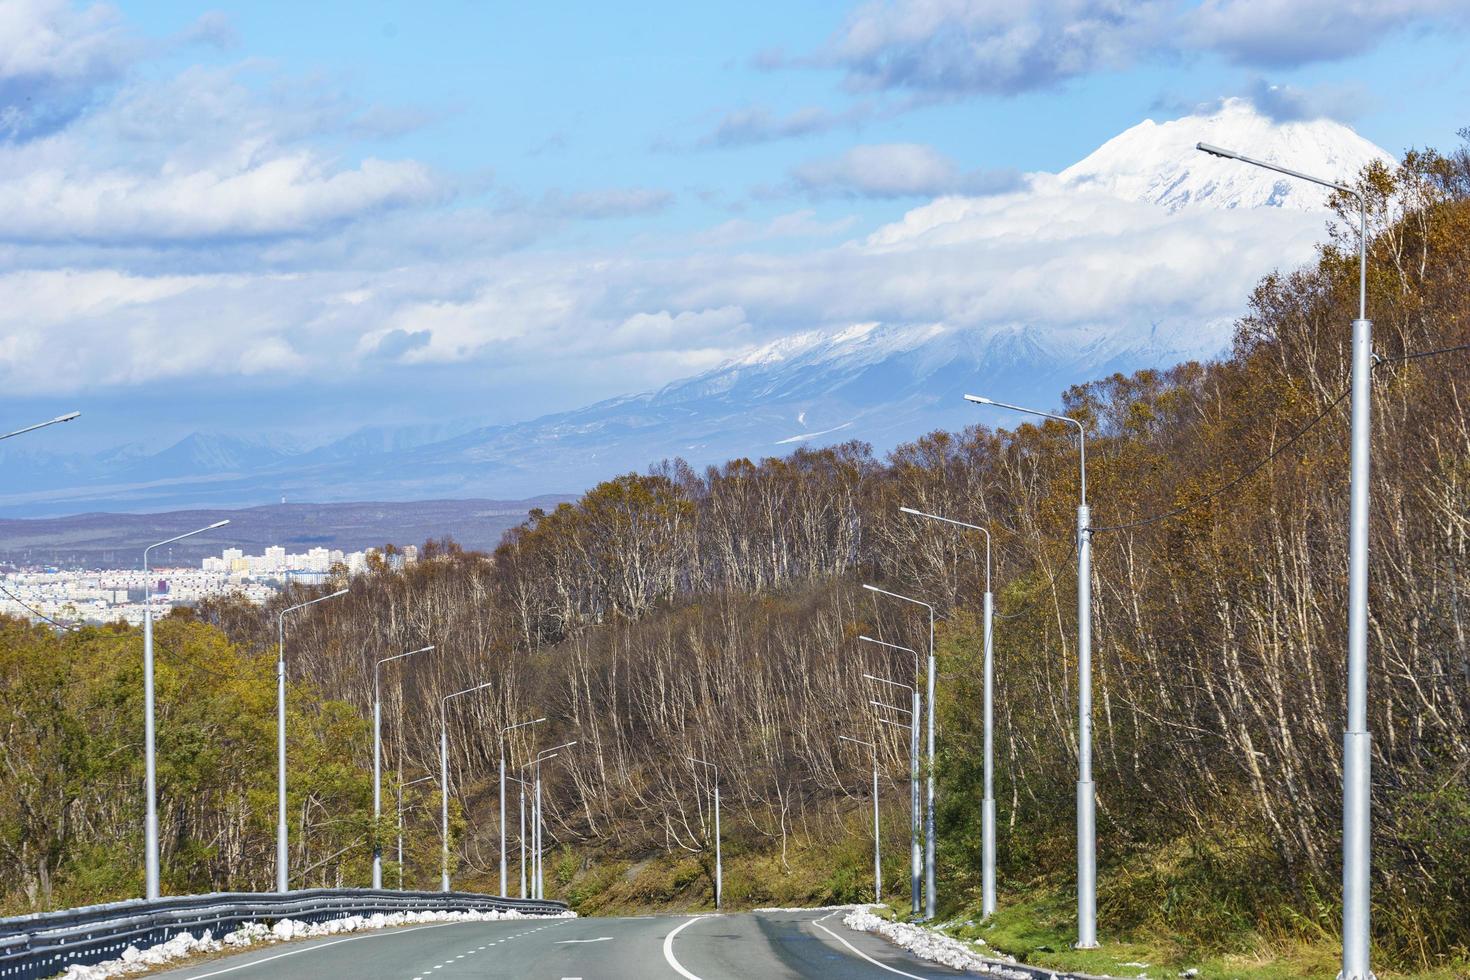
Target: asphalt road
751 946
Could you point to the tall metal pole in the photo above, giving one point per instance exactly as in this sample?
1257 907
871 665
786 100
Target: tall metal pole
915 714
150 763
378 761
987 820
150 768
503 731
502 814
377 782
536 830
877 835
987 862
930 885
1086 790
444 780
877 828
401 787
522 836
283 883
719 868
443 803
538 883
1357 741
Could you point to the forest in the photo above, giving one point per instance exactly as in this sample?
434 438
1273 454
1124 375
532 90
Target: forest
673 612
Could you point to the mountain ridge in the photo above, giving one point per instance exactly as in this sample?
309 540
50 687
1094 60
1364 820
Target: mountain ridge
877 380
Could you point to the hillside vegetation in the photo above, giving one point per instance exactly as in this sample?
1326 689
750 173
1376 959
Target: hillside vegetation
677 613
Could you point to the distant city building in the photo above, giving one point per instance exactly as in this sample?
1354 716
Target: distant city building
93 596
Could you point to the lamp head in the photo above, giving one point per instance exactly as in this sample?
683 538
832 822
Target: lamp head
1216 151
979 400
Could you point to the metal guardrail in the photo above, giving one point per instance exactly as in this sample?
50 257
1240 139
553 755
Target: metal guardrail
46 943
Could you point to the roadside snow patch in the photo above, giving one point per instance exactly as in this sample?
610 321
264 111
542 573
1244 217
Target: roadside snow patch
929 945
134 960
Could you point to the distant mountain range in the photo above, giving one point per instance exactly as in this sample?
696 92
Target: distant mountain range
103 540
880 382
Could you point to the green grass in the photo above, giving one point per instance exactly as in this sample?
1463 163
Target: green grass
1039 930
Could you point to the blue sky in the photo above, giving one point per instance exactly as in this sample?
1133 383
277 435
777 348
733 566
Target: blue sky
305 217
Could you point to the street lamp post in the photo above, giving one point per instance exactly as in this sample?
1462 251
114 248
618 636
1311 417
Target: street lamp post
1357 741
378 762
719 870
987 820
915 714
1086 790
150 766
283 881
41 425
538 882
444 780
501 740
930 885
522 835
877 830
401 787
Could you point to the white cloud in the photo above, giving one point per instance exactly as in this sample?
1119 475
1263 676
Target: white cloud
888 170
802 223
613 202
954 47
58 40
724 327
1287 33
287 194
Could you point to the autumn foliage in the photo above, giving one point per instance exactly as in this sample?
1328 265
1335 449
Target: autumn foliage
676 612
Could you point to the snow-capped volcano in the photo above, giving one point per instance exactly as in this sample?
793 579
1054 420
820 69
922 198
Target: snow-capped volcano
1115 264
1158 162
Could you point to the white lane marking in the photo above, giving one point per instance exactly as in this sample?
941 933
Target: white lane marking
568 942
881 966
309 949
669 947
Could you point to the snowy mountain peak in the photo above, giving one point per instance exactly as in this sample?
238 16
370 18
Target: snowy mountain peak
1158 162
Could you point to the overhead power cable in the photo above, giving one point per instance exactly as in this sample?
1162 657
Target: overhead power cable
1256 467
1244 475
36 612
1422 353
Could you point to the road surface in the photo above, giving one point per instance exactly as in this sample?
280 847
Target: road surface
751 946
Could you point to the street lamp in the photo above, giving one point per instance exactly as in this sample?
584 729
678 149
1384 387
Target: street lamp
150 767
538 885
1086 790
378 762
522 835
1357 742
444 779
283 882
987 820
929 882
41 425
401 787
507 728
877 835
916 871
719 870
